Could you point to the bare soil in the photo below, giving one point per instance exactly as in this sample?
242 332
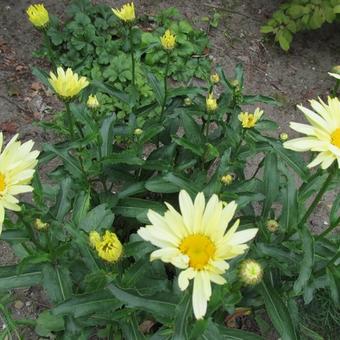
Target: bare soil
292 77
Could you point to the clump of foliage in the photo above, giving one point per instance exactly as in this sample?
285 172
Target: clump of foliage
299 15
83 236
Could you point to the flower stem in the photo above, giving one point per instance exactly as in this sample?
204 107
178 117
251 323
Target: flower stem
70 119
50 52
336 87
207 124
165 84
318 197
132 56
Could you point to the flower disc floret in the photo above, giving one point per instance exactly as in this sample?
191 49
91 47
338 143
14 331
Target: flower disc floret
198 241
17 163
126 13
322 132
38 15
67 84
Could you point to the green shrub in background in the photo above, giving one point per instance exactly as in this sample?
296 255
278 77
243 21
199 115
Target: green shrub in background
299 15
83 236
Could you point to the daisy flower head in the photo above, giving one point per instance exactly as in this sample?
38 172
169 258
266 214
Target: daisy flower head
197 241
17 163
322 132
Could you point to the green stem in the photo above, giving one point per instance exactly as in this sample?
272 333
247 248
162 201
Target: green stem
165 84
49 50
207 124
132 56
317 198
70 119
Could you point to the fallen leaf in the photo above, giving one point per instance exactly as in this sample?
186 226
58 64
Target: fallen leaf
36 86
9 127
235 320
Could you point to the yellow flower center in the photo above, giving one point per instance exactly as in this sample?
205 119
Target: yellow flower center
2 182
335 137
200 250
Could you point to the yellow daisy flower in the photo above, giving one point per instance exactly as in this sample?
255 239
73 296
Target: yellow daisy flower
211 103
67 84
249 120
17 163
168 40
197 241
323 135
38 15
126 13
107 246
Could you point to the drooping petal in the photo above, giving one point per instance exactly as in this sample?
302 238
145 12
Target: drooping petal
184 277
199 300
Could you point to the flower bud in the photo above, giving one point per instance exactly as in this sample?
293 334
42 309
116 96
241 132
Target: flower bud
235 83
227 179
251 272
40 225
138 132
187 101
283 136
168 40
214 78
92 102
272 225
211 103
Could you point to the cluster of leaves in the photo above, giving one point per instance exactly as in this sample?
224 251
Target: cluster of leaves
89 42
106 177
298 15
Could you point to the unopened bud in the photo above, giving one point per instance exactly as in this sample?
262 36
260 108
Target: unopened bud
283 136
272 225
251 272
214 78
187 101
40 225
227 179
138 132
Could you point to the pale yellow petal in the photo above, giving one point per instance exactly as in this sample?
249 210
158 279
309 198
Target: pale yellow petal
184 277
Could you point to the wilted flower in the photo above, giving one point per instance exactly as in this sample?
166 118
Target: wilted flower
214 78
38 15
272 225
323 135
40 225
335 72
108 246
251 272
126 13
283 136
197 241
227 179
92 102
67 84
168 40
17 163
138 132
249 120
211 103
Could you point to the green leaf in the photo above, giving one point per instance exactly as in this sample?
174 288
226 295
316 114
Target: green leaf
47 323
278 312
161 308
192 130
71 163
56 281
107 135
195 148
307 261
99 218
334 217
271 182
157 87
63 203
253 99
14 235
160 185
333 275
10 278
266 29
87 304
41 75
183 312
122 96
81 206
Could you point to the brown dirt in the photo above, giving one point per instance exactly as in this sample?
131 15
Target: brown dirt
292 77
